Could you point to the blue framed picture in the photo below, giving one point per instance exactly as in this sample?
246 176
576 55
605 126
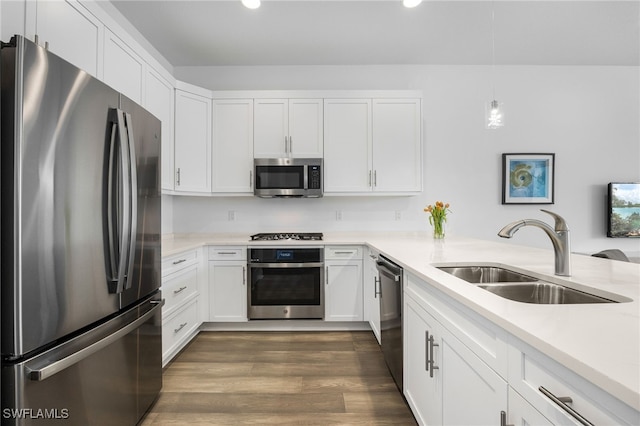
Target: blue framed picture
528 178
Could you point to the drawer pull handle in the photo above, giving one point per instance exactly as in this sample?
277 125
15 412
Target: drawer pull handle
503 419
227 252
562 403
345 252
177 330
179 261
432 363
180 290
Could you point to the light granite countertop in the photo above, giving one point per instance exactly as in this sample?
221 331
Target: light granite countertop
600 342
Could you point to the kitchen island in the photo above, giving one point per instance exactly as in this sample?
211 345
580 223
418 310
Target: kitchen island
598 342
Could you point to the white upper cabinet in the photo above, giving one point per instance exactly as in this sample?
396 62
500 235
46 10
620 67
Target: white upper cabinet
347 145
397 147
192 143
70 30
288 128
373 146
123 68
159 101
232 146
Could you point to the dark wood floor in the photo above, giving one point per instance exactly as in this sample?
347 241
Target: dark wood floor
280 378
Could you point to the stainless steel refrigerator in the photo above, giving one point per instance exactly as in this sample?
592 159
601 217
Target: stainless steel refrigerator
80 254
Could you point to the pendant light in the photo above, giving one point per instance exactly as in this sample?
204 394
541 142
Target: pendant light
494 110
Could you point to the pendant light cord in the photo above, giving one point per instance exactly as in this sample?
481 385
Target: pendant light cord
493 49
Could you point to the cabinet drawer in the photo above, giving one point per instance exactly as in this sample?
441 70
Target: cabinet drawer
179 261
228 253
179 286
178 327
342 252
529 370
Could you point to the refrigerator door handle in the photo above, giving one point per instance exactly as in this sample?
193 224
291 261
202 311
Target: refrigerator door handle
133 202
121 203
42 373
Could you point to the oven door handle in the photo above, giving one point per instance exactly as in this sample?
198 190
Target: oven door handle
287 265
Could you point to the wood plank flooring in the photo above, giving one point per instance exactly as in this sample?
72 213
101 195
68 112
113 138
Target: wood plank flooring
280 378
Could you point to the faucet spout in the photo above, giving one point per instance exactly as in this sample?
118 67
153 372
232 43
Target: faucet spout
559 236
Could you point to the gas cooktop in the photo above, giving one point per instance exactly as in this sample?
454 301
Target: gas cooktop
302 236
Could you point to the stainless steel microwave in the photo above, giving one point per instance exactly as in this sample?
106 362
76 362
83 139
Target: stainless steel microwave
287 177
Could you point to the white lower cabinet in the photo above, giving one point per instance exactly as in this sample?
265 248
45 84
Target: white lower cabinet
343 283
555 391
228 283
182 283
178 329
371 292
523 413
444 382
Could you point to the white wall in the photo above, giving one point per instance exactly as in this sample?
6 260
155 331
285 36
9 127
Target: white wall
588 116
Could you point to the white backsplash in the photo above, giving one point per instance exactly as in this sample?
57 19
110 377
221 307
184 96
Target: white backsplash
328 214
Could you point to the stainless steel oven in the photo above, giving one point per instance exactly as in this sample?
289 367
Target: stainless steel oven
286 283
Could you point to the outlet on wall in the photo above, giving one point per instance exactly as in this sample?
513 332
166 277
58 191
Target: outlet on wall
398 215
338 215
231 215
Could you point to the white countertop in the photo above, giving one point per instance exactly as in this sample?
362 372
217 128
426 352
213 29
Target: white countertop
600 342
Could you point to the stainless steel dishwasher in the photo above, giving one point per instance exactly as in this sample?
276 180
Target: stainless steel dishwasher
390 278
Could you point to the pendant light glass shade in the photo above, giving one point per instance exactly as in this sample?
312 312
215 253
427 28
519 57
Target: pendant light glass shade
251 4
494 114
411 3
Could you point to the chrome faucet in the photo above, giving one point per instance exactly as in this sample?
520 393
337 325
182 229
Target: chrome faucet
559 238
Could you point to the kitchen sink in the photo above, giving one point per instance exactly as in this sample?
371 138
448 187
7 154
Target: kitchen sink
521 287
486 274
542 293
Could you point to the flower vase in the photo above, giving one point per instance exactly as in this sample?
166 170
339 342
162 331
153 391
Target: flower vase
438 229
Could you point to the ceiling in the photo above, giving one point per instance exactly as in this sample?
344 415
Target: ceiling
380 32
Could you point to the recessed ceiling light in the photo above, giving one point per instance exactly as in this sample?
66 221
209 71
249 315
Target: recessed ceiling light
251 4
411 3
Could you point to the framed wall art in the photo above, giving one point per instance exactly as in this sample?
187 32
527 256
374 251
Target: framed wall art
528 178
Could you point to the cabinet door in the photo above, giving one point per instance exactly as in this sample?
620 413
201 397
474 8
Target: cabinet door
159 101
343 291
232 146
71 31
271 122
371 293
192 143
305 128
472 393
347 145
523 413
421 388
123 68
228 291
397 152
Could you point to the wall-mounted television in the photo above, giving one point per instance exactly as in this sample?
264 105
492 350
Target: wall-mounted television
623 210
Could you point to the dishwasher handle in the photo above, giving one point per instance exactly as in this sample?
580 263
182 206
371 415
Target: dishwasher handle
388 268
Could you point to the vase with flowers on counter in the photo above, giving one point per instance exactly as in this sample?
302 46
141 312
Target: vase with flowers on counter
438 217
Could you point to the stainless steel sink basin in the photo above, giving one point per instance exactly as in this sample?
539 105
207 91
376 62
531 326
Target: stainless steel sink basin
542 293
487 274
520 287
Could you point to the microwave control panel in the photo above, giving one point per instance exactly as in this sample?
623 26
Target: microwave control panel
315 178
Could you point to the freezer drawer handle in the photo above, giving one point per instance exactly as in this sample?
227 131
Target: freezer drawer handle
40 374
